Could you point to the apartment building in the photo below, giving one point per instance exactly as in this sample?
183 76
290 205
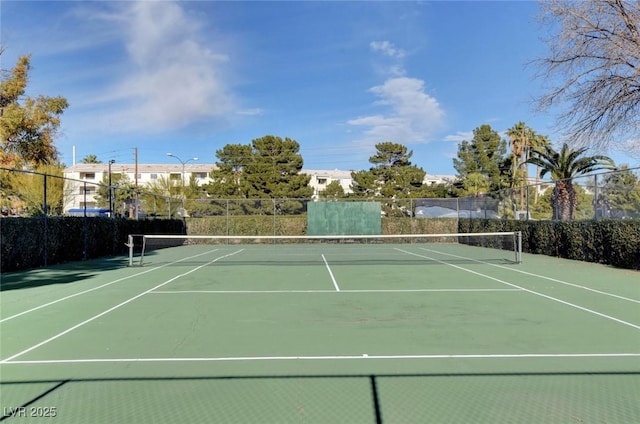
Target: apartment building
86 178
321 179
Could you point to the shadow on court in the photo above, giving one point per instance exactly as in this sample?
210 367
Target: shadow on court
356 398
71 272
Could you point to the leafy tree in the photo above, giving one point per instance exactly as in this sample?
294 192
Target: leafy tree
31 192
274 171
392 176
269 168
621 192
28 126
476 184
390 155
562 166
394 171
333 191
123 194
364 184
228 178
542 209
593 67
159 198
437 190
485 154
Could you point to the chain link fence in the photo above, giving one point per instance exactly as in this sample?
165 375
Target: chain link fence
28 193
25 193
607 195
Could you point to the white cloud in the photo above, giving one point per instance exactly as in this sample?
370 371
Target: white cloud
460 136
250 112
387 48
174 78
413 114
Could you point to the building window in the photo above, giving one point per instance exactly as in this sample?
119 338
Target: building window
175 177
88 175
322 180
87 190
154 176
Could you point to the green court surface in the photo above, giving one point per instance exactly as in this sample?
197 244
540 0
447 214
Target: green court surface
321 333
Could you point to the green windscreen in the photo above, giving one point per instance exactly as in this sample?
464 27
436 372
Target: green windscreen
350 218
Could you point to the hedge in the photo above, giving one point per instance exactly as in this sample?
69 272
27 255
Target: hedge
23 246
609 242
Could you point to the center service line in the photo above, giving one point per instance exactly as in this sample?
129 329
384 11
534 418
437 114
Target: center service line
335 283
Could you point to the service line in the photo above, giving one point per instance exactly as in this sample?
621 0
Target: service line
113 308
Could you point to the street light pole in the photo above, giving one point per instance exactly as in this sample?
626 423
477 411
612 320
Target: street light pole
183 165
111 162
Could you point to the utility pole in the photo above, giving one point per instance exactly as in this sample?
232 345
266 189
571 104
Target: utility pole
183 185
136 200
111 214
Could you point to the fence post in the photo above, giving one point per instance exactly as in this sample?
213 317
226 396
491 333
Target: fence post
45 222
527 194
85 223
595 197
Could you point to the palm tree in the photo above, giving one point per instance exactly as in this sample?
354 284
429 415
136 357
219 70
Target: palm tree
539 142
563 166
90 159
521 139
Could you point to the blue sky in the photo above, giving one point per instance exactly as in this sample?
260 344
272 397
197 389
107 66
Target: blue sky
338 77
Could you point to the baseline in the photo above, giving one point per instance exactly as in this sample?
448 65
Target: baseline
330 357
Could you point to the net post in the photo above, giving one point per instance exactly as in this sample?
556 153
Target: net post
519 247
130 245
144 247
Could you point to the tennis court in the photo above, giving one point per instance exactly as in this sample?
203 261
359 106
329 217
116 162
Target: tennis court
314 332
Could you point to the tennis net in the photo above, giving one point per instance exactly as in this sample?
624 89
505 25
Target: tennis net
505 247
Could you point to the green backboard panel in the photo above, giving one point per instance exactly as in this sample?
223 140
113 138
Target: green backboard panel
337 218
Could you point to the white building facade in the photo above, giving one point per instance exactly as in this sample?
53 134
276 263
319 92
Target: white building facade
85 179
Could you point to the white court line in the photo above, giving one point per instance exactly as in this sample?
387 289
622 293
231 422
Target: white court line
536 275
335 283
573 305
324 291
99 287
68 330
328 357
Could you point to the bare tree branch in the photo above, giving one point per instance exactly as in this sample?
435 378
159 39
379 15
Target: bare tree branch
593 68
